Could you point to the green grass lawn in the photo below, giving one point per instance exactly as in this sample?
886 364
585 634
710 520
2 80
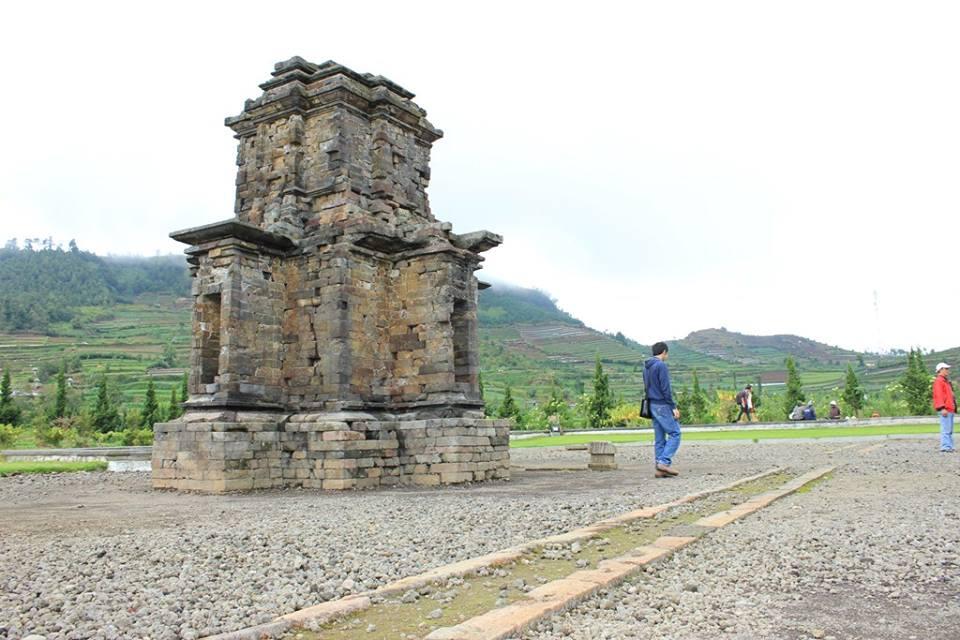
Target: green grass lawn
745 434
53 466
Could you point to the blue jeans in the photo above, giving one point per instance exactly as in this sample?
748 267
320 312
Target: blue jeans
666 434
946 432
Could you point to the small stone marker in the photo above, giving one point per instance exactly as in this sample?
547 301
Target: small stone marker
602 456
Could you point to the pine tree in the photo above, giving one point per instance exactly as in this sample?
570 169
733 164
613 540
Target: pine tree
683 402
917 385
794 395
173 409
9 411
852 392
60 406
105 415
600 403
508 408
151 410
698 401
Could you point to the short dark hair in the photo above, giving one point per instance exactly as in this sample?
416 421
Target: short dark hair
660 347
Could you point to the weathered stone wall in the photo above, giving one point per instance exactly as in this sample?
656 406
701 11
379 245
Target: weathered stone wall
333 290
363 149
231 451
236 323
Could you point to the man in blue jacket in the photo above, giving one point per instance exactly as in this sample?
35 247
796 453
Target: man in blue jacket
666 428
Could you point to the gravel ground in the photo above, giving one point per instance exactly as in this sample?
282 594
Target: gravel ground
103 556
872 553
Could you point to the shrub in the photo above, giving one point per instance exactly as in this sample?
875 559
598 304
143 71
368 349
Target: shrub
137 437
53 436
107 438
627 414
534 419
8 435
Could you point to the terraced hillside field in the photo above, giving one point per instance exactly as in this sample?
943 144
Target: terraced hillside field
126 342
525 342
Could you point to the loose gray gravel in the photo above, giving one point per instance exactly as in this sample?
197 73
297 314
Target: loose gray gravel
102 555
873 553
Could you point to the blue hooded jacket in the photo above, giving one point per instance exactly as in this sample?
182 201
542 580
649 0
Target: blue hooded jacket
656 380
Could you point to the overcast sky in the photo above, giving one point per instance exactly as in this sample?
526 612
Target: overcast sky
769 167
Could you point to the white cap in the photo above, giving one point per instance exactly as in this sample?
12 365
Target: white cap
833 402
942 365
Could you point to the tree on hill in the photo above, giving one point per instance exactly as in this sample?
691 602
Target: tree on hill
169 357
852 392
105 416
173 410
794 394
556 407
151 410
42 285
60 404
184 389
504 304
698 401
9 411
508 408
917 384
601 401
683 403
757 398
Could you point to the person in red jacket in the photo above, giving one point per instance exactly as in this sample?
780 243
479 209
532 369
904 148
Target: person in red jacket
945 404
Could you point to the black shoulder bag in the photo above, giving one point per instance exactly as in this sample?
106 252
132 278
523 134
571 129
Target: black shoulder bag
644 403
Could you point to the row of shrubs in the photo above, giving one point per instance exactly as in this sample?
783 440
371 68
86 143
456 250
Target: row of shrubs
714 407
73 432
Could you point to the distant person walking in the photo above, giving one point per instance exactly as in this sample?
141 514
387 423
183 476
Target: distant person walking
945 404
666 428
745 402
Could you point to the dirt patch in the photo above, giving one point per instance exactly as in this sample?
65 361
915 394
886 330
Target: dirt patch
852 613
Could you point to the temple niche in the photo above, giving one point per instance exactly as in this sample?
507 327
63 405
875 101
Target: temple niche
335 319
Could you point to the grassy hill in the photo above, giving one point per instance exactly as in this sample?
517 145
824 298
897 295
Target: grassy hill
131 319
532 356
760 351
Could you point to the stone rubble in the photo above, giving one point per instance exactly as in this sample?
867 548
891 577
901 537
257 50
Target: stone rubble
198 565
871 554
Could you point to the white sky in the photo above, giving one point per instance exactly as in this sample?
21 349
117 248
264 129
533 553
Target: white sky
763 166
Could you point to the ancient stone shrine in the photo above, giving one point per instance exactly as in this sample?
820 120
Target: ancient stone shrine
335 319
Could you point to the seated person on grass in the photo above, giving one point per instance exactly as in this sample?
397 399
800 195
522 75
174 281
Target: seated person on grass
834 410
797 413
808 412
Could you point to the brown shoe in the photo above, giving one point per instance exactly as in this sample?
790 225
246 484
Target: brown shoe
662 468
661 474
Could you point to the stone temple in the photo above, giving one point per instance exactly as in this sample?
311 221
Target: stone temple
335 319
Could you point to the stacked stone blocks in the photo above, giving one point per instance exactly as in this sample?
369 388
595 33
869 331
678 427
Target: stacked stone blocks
333 314
229 451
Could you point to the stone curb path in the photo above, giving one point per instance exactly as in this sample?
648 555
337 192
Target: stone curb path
561 594
334 609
